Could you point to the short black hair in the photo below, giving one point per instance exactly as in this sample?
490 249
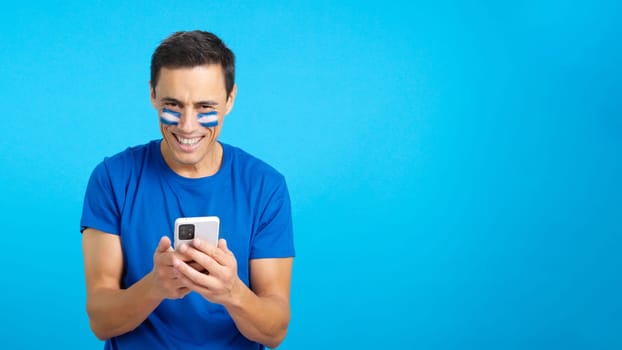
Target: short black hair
191 49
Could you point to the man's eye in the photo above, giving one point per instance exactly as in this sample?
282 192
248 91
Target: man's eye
170 104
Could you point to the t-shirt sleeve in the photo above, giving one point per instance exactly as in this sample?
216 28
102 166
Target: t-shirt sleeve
274 236
101 208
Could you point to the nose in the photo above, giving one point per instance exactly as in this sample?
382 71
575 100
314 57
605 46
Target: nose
188 121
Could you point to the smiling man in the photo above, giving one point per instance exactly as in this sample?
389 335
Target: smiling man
141 293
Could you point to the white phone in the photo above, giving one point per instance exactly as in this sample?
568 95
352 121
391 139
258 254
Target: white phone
202 227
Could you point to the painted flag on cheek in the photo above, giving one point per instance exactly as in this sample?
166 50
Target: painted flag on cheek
208 120
169 117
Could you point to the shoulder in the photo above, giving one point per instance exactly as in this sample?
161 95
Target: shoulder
249 166
131 154
129 157
125 163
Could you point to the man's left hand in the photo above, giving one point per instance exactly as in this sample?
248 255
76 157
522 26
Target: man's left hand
220 281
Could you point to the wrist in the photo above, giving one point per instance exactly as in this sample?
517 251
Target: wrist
153 291
236 295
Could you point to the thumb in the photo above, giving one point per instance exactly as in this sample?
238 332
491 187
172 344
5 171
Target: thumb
164 244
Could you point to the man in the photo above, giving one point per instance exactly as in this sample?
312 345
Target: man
141 293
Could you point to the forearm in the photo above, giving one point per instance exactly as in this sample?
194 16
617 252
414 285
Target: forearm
113 312
263 319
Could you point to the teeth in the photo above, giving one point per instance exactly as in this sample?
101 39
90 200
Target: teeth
191 141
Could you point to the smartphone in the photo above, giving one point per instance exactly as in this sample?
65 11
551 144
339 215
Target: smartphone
202 227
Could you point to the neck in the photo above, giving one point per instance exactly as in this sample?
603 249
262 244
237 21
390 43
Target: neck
207 166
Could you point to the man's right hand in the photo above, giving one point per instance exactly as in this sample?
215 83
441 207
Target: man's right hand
169 282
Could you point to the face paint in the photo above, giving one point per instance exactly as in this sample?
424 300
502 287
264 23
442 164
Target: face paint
209 119
169 117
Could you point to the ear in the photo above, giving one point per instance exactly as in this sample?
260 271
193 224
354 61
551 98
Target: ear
152 96
231 99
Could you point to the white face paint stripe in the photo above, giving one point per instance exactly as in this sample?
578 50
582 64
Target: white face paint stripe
170 117
208 120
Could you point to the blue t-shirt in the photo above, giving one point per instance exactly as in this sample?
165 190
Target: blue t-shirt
135 195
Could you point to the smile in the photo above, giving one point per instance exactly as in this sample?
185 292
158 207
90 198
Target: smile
187 141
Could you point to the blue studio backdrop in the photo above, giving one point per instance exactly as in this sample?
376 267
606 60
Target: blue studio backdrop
455 167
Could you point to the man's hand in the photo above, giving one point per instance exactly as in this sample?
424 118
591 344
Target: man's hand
261 314
220 281
167 279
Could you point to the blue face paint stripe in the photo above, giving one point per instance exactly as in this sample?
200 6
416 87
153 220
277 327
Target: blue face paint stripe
166 110
207 114
210 125
164 121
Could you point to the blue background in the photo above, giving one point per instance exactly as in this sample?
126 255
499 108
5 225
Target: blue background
455 167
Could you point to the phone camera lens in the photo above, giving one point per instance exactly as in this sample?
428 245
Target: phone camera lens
186 231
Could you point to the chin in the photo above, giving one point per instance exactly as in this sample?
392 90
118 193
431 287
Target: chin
187 158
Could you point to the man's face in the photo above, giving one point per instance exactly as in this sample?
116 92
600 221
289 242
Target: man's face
190 148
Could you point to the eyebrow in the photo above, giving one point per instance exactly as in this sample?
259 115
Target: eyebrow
174 100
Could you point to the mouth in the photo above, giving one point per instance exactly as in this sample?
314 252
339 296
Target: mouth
187 144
